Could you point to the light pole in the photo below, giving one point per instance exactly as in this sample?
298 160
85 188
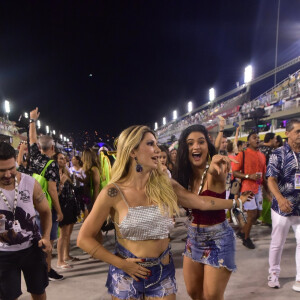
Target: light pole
155 126
164 121
248 74
6 108
174 115
47 129
190 106
212 94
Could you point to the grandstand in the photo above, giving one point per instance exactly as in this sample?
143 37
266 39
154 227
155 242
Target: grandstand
267 112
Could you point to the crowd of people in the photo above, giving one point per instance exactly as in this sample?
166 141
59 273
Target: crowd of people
216 182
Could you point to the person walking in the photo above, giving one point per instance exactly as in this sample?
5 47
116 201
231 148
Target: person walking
283 175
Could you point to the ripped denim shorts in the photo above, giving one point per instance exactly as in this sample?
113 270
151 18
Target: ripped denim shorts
161 283
213 245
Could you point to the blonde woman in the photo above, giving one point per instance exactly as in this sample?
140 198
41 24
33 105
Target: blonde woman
141 202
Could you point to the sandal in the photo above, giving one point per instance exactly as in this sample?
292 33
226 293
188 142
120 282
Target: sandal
64 267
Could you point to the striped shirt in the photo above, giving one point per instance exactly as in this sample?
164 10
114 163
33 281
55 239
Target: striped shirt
283 166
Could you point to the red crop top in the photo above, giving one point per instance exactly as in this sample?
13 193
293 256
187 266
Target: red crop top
209 217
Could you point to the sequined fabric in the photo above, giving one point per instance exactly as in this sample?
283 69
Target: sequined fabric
144 223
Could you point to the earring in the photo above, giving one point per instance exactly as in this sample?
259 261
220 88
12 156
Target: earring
138 167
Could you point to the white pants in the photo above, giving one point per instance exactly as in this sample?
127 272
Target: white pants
280 229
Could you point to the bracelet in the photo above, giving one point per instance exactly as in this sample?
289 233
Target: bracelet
241 204
233 204
32 120
94 250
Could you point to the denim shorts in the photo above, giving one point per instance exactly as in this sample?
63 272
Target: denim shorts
160 283
54 228
213 245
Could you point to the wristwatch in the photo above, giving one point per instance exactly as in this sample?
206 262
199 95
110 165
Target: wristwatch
247 176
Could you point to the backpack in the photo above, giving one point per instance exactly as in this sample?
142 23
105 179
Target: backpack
40 178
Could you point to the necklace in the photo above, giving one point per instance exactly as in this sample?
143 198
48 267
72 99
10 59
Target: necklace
202 178
15 199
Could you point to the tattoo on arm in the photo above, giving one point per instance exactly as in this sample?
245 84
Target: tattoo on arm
212 202
112 192
40 198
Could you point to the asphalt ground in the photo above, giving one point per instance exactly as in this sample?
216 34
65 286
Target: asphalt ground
86 280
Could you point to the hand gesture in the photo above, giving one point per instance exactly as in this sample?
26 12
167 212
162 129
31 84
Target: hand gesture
222 122
34 114
45 245
23 146
285 205
246 196
220 163
60 216
135 270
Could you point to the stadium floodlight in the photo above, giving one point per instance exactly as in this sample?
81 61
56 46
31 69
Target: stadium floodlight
164 121
61 136
68 140
26 115
6 107
65 139
38 123
155 126
248 74
174 114
190 106
53 132
47 129
212 94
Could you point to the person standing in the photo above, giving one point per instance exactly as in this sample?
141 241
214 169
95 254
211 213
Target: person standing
21 246
38 161
251 169
282 173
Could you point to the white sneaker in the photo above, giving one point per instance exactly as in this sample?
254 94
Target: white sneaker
296 286
273 281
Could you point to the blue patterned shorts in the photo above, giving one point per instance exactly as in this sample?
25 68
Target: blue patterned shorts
161 283
213 245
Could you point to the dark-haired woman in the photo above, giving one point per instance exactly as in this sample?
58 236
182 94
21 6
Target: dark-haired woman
69 207
164 158
209 256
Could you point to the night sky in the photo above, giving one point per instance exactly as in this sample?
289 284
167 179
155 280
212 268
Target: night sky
146 58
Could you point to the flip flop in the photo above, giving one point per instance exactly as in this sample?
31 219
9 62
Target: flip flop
64 267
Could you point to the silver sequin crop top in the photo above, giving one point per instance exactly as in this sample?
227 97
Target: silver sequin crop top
144 223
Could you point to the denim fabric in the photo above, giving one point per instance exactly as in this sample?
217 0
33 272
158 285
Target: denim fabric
213 245
161 283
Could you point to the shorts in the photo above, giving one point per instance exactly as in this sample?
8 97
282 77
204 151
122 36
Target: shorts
32 262
256 202
54 228
213 245
160 283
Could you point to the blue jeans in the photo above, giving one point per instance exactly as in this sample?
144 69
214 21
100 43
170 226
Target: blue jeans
54 228
213 245
160 283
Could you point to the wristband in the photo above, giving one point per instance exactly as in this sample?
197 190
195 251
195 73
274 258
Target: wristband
32 120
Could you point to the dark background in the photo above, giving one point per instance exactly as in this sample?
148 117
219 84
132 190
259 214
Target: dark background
146 58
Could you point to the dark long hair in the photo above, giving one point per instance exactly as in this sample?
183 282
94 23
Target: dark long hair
182 172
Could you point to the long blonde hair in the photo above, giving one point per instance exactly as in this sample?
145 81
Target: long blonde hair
158 187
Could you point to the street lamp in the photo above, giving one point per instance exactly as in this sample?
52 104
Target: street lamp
212 94
6 108
248 74
174 114
164 121
190 106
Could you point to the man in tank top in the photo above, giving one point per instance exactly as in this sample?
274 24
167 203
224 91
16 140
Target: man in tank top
21 246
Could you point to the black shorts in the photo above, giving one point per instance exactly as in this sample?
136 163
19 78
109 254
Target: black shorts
32 262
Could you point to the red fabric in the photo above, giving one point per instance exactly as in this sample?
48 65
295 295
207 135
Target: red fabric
209 217
255 161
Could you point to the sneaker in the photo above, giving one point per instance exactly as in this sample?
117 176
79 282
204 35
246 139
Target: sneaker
248 243
54 276
296 286
273 281
240 235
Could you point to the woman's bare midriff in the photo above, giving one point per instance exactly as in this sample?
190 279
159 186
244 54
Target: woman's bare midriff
200 225
148 248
